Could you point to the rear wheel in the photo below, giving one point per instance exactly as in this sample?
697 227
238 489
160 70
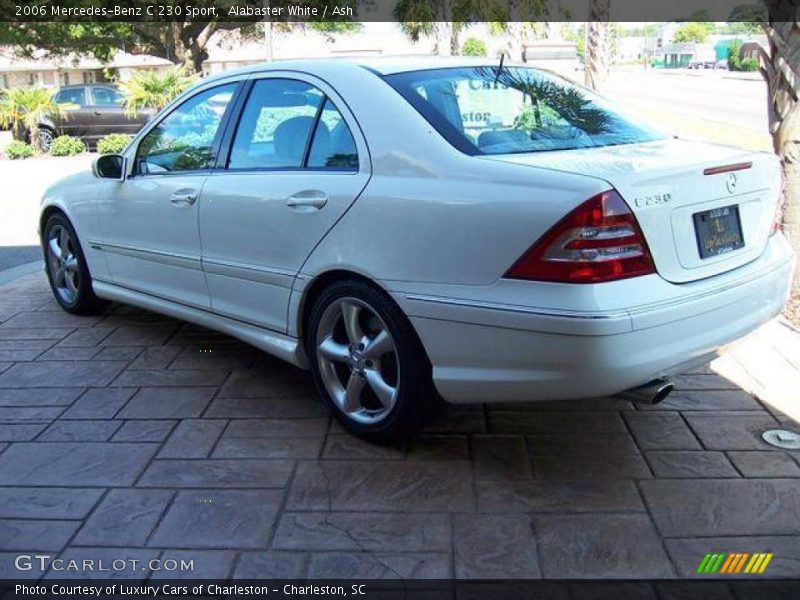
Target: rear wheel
66 268
368 363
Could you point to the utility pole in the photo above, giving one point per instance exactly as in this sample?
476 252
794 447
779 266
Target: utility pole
268 33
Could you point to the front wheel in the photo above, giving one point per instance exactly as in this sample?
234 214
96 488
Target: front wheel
66 267
368 363
46 137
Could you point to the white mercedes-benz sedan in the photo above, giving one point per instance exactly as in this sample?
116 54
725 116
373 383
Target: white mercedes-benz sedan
411 230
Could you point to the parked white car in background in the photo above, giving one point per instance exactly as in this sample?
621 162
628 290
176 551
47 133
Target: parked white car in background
497 233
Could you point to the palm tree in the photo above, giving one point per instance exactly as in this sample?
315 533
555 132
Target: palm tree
515 22
23 109
780 66
441 19
151 89
597 44
11 113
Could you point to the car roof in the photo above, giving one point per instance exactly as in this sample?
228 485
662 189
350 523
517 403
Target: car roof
402 64
73 86
380 65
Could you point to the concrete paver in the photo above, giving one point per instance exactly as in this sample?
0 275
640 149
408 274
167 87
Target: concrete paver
120 434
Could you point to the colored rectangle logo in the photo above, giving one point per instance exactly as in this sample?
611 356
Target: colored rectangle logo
733 563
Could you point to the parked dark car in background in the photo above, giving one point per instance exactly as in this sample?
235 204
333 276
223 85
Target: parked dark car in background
94 110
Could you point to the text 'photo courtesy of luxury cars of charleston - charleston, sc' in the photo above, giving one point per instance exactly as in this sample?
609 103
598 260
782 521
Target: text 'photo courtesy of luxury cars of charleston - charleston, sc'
399 298
198 589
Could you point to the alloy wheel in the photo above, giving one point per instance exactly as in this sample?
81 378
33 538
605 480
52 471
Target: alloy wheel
358 360
45 139
62 263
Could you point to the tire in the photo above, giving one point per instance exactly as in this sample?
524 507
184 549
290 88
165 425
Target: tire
65 265
381 389
46 137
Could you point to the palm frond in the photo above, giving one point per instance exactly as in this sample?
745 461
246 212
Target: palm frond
152 89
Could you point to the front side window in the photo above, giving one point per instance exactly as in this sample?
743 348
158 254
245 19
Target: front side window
71 96
185 139
486 110
290 124
106 97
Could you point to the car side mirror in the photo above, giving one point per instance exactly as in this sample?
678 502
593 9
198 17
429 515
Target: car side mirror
109 166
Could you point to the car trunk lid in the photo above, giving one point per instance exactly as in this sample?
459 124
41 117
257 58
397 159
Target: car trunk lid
677 187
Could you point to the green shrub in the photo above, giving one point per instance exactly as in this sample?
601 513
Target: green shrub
735 56
113 143
473 47
66 145
749 64
17 149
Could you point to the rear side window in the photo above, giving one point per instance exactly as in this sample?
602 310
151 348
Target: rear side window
333 146
486 110
290 124
275 125
106 97
71 96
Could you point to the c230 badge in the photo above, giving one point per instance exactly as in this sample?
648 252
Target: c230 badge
654 199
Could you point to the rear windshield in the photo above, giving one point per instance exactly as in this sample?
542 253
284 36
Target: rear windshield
487 110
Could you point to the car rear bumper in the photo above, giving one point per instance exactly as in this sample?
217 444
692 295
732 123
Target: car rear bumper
488 351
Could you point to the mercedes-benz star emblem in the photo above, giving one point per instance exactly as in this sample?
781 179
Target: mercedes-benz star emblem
731 183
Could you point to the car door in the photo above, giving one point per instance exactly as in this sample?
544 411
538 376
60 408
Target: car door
149 220
108 106
77 113
295 163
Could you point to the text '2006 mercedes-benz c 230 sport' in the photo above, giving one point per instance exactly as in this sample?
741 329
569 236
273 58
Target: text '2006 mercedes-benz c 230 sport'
411 230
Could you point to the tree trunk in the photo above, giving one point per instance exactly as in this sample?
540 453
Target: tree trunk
596 54
442 34
597 44
780 66
35 141
191 56
18 132
455 42
189 44
791 209
516 40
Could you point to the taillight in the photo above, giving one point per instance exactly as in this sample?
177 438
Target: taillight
598 241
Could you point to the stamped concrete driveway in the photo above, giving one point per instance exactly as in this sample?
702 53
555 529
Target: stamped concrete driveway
133 435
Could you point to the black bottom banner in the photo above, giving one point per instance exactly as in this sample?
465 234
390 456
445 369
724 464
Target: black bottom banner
735 589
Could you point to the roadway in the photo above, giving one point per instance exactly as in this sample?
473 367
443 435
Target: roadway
714 96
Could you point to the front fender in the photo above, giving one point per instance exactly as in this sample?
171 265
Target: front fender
79 197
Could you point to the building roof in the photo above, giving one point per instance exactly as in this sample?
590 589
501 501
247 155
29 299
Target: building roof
229 47
40 62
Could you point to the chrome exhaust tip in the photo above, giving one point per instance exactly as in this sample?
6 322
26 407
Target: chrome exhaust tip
649 393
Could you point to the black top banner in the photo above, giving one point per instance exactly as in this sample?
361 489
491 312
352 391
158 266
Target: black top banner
90 11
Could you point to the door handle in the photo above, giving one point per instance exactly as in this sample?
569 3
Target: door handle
181 198
311 199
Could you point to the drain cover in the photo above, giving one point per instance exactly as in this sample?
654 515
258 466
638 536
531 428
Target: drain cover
788 440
